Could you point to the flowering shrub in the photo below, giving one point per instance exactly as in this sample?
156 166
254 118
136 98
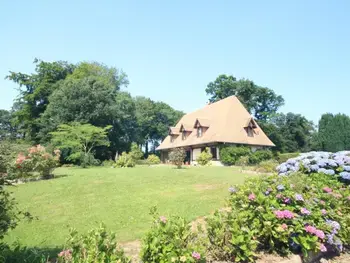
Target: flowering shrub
125 160
171 240
298 213
153 159
205 157
96 246
319 162
36 160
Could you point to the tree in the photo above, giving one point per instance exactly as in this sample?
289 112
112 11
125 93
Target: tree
259 101
135 152
334 132
177 156
34 91
79 139
7 130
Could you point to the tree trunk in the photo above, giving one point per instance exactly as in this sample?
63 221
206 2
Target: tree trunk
146 149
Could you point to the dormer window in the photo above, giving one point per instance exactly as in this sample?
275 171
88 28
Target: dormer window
250 127
199 131
250 132
172 138
184 135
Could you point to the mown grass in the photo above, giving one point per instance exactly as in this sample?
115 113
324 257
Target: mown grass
120 198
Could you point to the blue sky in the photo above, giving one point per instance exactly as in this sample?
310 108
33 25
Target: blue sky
172 49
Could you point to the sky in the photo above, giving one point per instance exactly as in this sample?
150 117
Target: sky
171 50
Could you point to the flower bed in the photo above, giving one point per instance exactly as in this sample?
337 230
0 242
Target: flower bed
337 164
283 214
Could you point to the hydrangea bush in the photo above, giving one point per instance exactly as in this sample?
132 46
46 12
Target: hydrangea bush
337 164
283 214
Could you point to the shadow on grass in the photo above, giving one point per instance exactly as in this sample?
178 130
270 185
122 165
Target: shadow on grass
19 254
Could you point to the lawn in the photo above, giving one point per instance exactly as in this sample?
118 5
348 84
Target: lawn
120 198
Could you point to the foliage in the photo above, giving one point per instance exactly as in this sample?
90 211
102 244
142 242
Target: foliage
333 133
21 254
108 163
7 129
37 160
259 156
177 157
170 240
153 159
205 157
335 164
259 101
282 214
125 160
135 152
268 166
229 155
80 139
96 246
35 90
242 161
88 159
283 157
8 151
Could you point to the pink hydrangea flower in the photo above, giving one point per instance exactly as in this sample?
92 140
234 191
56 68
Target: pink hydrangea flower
196 255
304 211
322 202
284 214
323 211
327 189
163 219
284 226
320 234
279 196
323 248
251 197
66 254
286 200
310 229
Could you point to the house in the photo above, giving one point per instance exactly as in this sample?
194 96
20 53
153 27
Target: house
225 122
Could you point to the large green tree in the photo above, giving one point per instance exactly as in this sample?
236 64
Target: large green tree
34 92
333 133
261 102
7 130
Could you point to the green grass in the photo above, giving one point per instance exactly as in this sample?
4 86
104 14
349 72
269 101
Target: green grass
120 198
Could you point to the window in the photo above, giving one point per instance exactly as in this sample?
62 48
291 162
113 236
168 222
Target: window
250 132
213 152
172 138
184 135
199 132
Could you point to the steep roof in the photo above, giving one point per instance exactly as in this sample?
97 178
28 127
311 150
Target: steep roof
226 120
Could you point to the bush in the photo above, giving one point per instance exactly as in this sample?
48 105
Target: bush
177 157
242 161
96 246
125 160
88 159
135 152
259 156
171 240
282 214
36 161
229 155
153 159
108 163
283 157
8 151
205 157
268 166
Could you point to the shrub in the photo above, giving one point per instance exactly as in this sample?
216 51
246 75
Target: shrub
135 152
153 159
8 151
282 214
268 166
96 246
177 157
205 157
283 157
125 160
171 240
37 160
242 161
336 164
259 156
108 163
88 159
230 154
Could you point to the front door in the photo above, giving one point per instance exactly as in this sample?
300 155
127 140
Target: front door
188 157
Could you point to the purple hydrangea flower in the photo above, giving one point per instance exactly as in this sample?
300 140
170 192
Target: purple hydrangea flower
280 187
299 197
232 190
304 211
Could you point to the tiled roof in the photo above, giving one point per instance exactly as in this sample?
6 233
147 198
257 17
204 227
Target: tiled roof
226 119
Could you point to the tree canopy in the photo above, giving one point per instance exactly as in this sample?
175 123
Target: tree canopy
261 102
